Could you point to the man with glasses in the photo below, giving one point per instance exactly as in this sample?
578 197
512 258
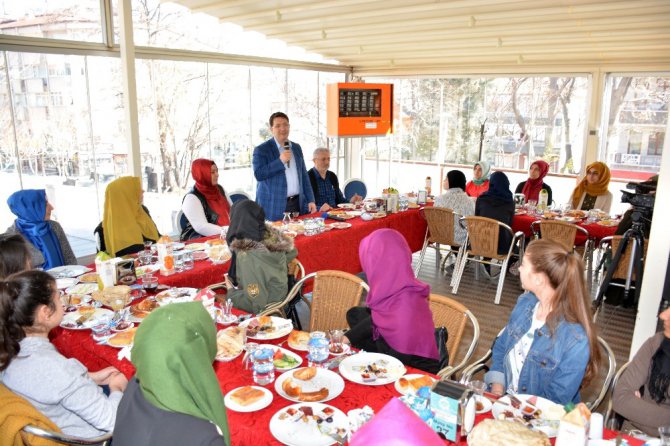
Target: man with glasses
279 168
325 184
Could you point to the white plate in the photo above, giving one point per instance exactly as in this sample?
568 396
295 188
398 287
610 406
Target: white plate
68 271
569 219
346 206
183 294
258 405
288 353
486 403
196 246
238 343
402 391
200 255
339 225
541 424
69 319
352 367
67 282
345 350
324 378
142 270
82 288
306 433
176 246
285 327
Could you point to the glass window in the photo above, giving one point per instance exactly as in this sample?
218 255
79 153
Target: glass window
63 19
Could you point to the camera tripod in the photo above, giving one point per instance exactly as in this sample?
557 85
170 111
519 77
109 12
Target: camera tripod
634 235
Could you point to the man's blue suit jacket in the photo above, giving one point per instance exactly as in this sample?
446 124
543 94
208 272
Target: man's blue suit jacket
271 177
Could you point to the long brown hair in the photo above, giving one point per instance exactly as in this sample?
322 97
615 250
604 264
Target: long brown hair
571 302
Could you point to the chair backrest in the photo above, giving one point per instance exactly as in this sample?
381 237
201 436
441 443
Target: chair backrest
612 419
354 186
238 195
598 389
440 225
454 316
54 438
483 236
180 221
622 268
296 269
559 231
333 294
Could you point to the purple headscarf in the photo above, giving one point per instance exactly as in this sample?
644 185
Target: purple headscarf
398 301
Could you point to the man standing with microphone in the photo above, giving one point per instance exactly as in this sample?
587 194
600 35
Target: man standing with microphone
279 168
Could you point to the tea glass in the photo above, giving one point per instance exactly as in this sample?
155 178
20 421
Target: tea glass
664 433
336 341
149 282
531 206
145 257
179 262
188 260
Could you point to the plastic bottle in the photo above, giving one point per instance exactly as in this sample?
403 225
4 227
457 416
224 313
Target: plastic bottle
318 349
263 368
542 203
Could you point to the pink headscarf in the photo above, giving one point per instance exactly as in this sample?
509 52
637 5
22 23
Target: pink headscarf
397 300
532 188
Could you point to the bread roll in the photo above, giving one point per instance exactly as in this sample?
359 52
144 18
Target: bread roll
264 321
290 388
414 384
247 395
298 338
305 374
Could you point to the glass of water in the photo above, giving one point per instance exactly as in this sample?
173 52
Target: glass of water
188 260
179 263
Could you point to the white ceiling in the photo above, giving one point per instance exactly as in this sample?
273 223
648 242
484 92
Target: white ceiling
462 36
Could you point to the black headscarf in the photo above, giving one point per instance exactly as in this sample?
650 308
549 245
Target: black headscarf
247 221
499 187
659 377
457 179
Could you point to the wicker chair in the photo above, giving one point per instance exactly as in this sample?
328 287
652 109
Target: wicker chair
559 231
440 231
482 243
333 293
454 316
286 308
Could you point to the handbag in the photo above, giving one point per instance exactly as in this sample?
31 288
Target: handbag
441 337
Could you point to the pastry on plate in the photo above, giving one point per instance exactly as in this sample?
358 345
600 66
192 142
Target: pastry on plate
505 433
247 395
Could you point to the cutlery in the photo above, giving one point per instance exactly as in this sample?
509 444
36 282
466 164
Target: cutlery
339 439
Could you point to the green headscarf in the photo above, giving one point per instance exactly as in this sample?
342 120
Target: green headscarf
486 170
173 353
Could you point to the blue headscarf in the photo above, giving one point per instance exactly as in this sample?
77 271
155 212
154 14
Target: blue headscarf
499 187
30 206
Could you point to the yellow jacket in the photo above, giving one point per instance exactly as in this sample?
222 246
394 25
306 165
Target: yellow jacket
15 413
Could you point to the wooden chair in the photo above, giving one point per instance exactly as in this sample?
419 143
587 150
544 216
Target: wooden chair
454 316
482 243
440 231
559 231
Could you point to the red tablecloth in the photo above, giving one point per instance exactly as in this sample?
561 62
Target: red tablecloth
597 232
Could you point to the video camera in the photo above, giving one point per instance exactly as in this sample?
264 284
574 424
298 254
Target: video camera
642 197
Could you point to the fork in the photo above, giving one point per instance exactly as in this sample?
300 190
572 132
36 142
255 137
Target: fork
339 439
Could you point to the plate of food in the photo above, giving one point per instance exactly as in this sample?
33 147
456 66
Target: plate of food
196 246
520 212
219 254
142 309
608 222
229 343
85 317
535 412
346 206
550 215
309 384
569 219
82 288
309 424
60 272
298 340
339 225
267 327
76 299
578 213
339 349
200 255
285 359
142 270
379 215
412 382
248 399
482 404
346 216
122 339
68 282
89 278
371 369
176 295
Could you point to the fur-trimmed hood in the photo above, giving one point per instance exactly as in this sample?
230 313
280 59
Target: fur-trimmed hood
274 241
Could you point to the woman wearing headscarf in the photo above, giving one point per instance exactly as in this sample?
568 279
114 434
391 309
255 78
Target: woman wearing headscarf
592 192
258 272
48 243
174 398
206 207
126 223
480 179
498 203
397 319
535 183
457 200
642 394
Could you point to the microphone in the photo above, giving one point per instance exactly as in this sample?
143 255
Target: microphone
287 146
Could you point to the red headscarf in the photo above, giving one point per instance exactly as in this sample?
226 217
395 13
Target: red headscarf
532 188
201 170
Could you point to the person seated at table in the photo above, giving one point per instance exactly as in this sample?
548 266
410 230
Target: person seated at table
14 255
535 183
549 347
30 366
592 191
498 203
457 200
206 206
326 187
48 244
126 222
396 320
258 272
174 397
480 179
642 394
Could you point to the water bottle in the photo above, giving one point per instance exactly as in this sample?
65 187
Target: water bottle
318 349
263 368
542 202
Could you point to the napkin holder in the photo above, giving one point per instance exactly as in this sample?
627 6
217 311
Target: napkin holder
453 405
125 272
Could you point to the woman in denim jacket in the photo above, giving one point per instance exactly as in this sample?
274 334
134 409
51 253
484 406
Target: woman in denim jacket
549 346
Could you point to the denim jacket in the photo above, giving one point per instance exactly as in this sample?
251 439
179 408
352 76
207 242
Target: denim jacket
555 365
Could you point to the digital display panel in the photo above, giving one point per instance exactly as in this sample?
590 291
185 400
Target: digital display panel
356 102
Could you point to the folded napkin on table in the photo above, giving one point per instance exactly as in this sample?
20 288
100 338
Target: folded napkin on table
396 425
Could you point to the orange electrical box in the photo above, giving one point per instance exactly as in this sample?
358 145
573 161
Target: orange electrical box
357 109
